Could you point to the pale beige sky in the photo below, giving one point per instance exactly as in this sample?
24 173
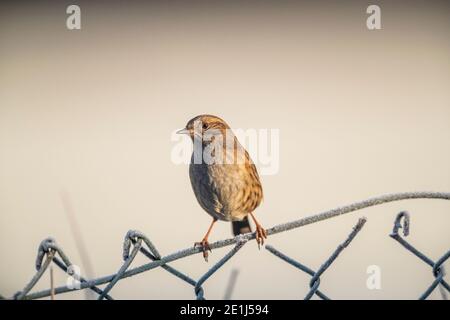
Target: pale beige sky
360 113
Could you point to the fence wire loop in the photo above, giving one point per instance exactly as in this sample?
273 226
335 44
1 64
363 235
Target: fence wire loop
47 248
43 250
437 267
402 216
133 236
136 242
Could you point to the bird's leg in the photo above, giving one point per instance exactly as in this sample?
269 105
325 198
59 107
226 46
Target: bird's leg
204 243
260 232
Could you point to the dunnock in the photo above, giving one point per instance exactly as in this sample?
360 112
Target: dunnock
223 177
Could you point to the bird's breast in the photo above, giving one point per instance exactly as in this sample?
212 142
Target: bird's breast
226 191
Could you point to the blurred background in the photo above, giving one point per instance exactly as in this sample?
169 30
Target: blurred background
89 114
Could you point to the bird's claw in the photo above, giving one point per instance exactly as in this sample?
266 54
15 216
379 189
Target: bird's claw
204 245
260 234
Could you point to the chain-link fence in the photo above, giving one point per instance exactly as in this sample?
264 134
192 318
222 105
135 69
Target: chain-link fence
136 242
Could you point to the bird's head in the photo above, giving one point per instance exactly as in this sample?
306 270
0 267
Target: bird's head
205 123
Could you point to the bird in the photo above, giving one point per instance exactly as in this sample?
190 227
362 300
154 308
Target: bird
224 179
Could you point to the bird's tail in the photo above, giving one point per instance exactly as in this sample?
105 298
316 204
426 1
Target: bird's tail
241 227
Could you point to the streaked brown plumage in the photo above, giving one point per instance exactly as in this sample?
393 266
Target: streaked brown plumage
227 190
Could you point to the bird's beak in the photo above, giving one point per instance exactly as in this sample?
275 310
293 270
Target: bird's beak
183 131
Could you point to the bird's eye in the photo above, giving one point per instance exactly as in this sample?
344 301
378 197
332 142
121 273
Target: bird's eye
205 126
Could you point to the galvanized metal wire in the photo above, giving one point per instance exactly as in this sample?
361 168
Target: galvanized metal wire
315 280
136 242
437 267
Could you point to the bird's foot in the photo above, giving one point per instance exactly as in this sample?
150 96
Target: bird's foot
261 234
204 245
